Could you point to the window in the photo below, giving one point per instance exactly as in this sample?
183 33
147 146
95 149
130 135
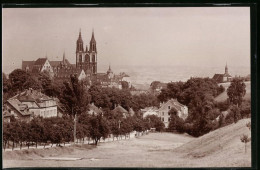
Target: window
169 107
163 113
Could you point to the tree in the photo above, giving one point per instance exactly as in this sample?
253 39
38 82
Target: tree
235 111
21 80
75 99
236 91
98 128
245 139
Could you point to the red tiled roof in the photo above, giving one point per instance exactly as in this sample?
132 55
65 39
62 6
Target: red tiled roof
40 61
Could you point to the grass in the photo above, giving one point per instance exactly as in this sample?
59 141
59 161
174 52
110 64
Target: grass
220 148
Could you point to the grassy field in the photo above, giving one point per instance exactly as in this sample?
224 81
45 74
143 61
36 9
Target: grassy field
220 148
223 96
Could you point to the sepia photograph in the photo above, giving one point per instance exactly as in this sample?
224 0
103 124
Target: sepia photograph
141 87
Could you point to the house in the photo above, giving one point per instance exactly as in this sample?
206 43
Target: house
221 78
30 103
149 111
92 109
163 111
6 116
119 109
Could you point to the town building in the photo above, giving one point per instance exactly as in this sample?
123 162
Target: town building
120 110
221 78
85 67
163 111
31 103
92 109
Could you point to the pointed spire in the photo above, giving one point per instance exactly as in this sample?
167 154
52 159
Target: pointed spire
63 57
93 37
226 69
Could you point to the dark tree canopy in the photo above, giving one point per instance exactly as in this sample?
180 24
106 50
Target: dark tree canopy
236 91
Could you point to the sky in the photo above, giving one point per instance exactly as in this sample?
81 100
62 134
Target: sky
170 36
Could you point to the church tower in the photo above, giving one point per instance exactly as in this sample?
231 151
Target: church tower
93 54
79 51
226 70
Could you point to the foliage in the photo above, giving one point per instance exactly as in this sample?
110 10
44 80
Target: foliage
155 122
245 139
98 128
236 91
21 80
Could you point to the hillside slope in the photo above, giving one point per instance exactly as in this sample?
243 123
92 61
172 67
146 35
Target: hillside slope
221 147
223 96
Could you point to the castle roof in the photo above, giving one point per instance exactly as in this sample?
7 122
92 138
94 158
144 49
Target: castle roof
40 61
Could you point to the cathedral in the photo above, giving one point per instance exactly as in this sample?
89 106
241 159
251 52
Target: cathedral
87 59
85 67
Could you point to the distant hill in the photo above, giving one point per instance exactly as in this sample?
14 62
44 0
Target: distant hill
223 96
222 145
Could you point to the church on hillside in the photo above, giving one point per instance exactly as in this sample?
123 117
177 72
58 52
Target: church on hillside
222 78
85 67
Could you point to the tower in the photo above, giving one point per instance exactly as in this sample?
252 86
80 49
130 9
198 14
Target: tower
226 69
86 59
93 54
79 51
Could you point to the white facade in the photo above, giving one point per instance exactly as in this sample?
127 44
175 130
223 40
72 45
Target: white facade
163 111
47 67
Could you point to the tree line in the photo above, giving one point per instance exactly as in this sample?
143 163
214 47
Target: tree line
198 94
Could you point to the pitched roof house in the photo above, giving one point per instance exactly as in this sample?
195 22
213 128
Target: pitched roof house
121 110
163 111
92 109
31 103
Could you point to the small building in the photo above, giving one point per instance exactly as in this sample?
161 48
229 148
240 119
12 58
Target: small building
163 111
150 111
31 103
92 109
221 78
119 109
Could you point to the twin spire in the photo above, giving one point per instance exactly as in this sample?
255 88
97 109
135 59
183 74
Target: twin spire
92 44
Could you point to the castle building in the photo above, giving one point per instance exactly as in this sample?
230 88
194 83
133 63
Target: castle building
85 67
86 62
221 78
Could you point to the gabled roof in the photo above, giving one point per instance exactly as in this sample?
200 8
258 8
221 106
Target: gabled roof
173 103
19 107
120 109
94 108
55 63
40 61
218 77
